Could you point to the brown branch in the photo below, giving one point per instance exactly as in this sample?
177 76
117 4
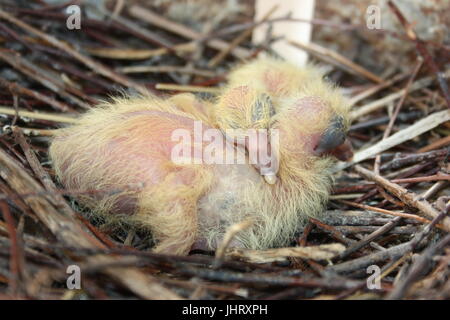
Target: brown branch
236 41
38 115
333 231
228 276
389 212
16 251
388 130
404 160
410 198
92 64
436 144
69 231
154 19
423 51
369 238
392 253
338 60
416 270
36 73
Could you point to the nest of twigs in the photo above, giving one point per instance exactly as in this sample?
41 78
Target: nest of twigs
389 205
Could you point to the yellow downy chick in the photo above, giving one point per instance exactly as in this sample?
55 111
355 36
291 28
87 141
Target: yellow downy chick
129 141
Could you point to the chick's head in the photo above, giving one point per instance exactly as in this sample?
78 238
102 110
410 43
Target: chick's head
309 114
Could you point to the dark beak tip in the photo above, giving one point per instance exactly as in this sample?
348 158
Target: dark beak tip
347 157
343 152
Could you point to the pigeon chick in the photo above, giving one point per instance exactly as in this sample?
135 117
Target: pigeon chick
172 147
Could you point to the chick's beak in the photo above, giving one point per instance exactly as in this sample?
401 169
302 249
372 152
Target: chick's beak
268 167
270 178
266 159
334 142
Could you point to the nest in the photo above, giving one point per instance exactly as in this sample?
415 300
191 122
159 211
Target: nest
387 216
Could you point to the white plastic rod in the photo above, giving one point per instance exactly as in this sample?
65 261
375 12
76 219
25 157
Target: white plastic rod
296 31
